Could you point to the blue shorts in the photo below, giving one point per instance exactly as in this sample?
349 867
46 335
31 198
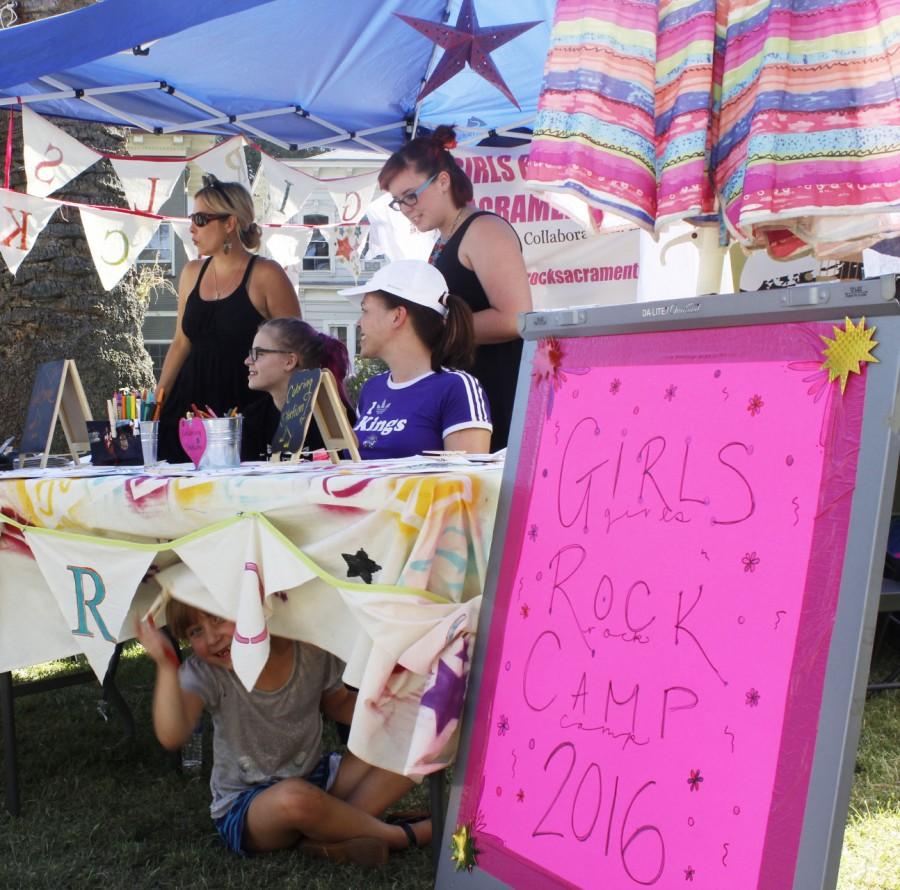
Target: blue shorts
231 825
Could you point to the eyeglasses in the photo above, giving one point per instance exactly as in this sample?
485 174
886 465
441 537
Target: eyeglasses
201 219
257 351
412 198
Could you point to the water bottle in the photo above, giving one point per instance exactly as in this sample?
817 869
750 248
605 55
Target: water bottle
192 751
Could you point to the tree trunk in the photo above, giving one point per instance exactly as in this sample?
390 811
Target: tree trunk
55 307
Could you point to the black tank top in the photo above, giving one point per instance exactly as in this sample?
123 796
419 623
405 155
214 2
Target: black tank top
221 334
496 364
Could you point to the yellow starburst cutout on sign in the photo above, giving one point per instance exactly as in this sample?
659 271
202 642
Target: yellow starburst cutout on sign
462 848
850 346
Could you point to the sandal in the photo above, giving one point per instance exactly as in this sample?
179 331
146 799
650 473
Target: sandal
412 839
368 852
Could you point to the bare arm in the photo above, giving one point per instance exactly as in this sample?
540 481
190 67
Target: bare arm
180 346
175 712
491 250
339 705
473 441
274 295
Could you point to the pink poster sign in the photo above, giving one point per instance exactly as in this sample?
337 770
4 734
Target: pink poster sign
656 653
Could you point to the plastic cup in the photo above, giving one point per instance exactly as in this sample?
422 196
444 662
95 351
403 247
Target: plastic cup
149 440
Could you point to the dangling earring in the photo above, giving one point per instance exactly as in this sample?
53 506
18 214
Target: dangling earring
226 246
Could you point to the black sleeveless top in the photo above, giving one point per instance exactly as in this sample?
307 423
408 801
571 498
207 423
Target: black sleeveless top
496 364
214 374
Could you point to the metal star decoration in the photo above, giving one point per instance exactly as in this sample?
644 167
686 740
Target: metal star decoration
850 346
467 44
360 566
344 249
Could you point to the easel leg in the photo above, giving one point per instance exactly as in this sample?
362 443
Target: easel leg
10 770
438 813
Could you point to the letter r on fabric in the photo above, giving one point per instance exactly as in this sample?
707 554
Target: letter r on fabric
83 605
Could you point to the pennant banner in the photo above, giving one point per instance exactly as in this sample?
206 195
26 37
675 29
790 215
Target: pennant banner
94 585
283 190
148 184
182 228
226 162
352 196
22 219
348 244
115 240
52 156
287 246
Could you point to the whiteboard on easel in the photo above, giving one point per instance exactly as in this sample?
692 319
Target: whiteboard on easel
57 395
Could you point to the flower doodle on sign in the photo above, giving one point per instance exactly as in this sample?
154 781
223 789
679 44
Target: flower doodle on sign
755 405
503 725
750 561
671 389
615 386
695 780
752 698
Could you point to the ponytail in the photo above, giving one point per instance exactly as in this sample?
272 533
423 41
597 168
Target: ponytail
450 339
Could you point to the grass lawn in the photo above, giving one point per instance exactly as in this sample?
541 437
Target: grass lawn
100 812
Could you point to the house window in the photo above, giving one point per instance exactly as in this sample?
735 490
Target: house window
317 257
160 249
339 332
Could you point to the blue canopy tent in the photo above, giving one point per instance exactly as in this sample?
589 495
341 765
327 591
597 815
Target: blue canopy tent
294 72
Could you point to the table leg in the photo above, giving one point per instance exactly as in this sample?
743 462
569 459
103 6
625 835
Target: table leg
10 770
111 692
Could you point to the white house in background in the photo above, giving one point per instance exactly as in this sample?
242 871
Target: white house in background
321 275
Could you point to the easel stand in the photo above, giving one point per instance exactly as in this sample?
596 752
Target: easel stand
57 394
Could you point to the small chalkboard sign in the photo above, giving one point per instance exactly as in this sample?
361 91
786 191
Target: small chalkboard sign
57 394
313 393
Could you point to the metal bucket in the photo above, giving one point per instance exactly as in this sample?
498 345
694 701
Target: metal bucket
223 443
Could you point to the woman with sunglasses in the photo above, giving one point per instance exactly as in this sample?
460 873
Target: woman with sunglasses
425 401
222 300
281 347
477 252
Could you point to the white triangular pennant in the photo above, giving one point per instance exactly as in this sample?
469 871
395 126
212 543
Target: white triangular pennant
22 218
394 236
148 184
347 244
182 229
352 195
286 190
52 156
226 161
115 240
286 246
93 584
244 565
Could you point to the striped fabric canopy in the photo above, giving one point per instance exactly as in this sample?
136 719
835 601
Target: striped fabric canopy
782 114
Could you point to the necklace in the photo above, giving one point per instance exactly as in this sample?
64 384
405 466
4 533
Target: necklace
216 280
439 245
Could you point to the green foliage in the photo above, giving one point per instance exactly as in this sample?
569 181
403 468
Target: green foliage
365 368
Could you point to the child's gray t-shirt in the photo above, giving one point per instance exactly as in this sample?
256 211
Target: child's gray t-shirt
262 736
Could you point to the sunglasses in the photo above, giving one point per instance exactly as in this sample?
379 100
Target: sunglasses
257 351
412 198
201 219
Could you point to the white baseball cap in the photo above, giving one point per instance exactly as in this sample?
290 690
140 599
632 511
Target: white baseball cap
413 280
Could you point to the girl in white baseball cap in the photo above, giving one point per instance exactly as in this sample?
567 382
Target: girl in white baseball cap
426 401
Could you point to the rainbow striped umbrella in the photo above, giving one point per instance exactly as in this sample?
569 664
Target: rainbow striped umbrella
782 115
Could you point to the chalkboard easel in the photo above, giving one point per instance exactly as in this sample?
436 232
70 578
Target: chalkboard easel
313 393
57 394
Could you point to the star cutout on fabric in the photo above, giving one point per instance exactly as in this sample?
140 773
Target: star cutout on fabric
467 43
445 698
360 566
344 249
850 346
